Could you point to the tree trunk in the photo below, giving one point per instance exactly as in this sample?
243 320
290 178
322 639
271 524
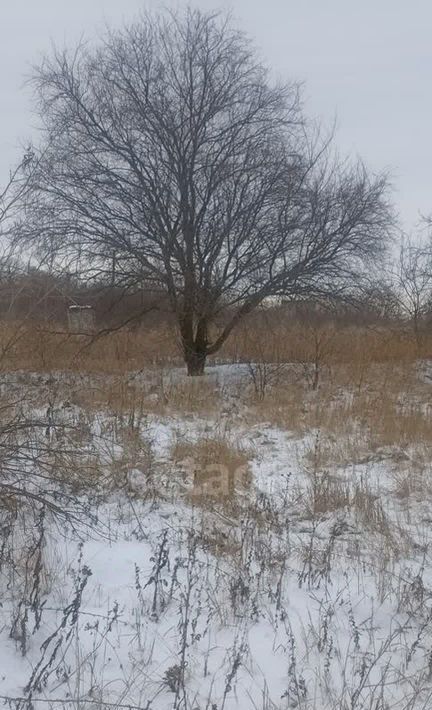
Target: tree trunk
195 362
194 345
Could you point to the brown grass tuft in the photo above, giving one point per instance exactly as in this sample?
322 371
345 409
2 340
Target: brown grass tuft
217 469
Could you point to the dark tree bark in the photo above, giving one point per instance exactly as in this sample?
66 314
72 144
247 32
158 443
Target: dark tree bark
195 359
194 344
169 146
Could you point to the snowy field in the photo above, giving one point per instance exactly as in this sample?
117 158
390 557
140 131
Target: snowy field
183 548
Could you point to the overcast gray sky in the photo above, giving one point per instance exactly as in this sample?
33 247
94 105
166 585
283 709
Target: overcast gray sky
366 63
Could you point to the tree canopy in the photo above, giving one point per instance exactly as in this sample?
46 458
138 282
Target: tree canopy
169 151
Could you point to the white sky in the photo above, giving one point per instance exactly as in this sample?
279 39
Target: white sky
366 63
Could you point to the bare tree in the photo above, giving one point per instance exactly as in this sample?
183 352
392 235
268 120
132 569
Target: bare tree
414 284
380 302
12 191
12 196
170 152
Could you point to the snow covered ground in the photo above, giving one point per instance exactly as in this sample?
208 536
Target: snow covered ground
309 587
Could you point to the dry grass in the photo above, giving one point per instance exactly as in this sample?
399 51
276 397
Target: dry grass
186 395
157 393
390 410
369 401
214 467
329 343
326 494
327 527
47 346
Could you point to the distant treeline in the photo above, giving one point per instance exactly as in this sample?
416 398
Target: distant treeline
41 297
